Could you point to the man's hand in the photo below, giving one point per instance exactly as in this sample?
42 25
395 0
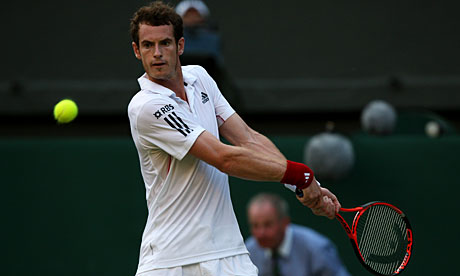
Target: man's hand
333 198
320 200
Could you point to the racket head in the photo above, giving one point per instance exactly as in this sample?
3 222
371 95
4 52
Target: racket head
382 239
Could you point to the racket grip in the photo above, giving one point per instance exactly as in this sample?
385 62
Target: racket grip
298 192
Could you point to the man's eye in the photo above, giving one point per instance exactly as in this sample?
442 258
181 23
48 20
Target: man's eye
166 43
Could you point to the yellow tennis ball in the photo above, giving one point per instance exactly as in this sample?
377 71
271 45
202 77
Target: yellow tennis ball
65 111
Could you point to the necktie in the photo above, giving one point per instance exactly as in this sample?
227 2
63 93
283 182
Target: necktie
275 268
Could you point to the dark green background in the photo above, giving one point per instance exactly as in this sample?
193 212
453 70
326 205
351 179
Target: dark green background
76 206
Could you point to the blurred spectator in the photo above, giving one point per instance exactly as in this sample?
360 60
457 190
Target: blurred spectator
193 12
278 247
201 39
203 46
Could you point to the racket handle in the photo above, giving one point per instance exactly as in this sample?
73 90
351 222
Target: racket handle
298 192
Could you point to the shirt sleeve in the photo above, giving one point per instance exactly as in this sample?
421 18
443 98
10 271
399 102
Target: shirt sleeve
163 125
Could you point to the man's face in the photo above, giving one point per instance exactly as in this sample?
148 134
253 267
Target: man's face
158 51
266 225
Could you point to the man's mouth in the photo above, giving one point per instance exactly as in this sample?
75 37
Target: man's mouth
158 64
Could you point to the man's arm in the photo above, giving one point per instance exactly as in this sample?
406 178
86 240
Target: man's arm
253 156
238 161
238 133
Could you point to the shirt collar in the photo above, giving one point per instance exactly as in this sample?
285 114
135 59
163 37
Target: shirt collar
285 246
147 84
188 78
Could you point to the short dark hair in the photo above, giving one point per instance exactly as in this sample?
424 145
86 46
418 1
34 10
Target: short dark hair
156 14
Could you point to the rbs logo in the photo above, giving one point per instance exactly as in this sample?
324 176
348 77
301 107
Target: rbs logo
163 110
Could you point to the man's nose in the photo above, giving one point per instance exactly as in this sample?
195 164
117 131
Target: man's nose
157 51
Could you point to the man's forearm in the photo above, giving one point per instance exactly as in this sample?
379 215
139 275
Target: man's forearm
254 162
248 159
258 155
268 145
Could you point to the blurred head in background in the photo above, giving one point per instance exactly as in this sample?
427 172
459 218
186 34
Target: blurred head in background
193 12
268 216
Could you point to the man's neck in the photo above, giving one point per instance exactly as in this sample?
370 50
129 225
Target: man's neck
176 85
286 243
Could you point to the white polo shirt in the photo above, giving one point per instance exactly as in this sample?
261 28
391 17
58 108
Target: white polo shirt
190 213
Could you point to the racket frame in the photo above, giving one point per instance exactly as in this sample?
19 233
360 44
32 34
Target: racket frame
352 234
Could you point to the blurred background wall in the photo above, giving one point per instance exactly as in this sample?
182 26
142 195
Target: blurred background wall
72 195
285 57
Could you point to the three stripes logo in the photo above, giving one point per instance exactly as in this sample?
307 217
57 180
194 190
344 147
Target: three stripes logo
204 97
178 124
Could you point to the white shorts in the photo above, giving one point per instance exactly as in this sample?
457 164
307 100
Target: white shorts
239 265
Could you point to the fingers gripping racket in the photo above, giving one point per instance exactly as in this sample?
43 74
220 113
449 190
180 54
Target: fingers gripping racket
380 235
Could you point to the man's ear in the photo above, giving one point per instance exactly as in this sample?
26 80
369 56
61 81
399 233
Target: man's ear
181 46
137 53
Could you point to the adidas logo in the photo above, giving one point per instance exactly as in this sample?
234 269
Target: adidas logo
307 176
204 97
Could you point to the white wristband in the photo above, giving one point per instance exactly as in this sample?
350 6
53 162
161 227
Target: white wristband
293 187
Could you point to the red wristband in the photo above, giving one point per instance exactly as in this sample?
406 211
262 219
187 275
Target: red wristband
298 174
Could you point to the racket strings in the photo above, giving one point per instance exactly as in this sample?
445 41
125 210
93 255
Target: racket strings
382 238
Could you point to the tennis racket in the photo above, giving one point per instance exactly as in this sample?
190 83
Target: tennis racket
381 236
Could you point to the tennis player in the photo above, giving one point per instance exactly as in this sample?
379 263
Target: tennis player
176 119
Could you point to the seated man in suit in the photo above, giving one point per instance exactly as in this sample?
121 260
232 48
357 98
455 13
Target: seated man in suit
278 247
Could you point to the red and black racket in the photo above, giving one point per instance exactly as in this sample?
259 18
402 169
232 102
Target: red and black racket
380 234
